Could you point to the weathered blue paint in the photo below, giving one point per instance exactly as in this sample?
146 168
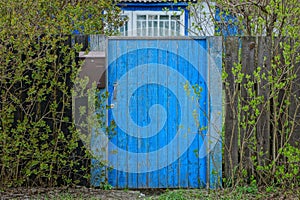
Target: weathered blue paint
132 142
141 113
112 76
152 55
173 121
191 60
122 138
161 58
193 161
183 67
203 69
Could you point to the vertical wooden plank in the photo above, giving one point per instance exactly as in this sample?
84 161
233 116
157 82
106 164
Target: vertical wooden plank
150 92
97 43
203 110
122 116
142 58
279 136
193 160
231 121
132 141
263 124
153 176
183 69
112 72
162 100
83 40
215 115
172 123
294 112
248 62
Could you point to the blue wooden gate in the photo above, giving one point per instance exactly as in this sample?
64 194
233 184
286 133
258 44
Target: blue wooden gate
166 102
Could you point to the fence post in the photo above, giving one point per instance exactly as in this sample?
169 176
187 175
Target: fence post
263 124
215 111
246 130
231 99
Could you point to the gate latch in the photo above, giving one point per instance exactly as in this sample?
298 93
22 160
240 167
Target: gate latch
115 90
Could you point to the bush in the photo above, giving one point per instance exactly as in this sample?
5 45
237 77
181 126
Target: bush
39 144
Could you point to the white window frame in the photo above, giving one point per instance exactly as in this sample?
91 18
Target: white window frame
132 20
129 23
147 13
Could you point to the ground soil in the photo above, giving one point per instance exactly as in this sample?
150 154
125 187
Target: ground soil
77 193
152 194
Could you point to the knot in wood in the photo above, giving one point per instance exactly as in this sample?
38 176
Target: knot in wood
252 45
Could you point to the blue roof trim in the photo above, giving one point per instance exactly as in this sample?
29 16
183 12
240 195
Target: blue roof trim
152 6
165 4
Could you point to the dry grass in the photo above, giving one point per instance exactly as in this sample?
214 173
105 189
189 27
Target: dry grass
79 193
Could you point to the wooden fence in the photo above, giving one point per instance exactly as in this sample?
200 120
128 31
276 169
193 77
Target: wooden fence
261 104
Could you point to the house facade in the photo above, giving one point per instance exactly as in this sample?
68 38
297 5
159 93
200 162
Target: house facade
154 18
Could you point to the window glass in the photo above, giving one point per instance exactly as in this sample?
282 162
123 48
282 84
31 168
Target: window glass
152 17
164 17
175 17
141 17
158 25
138 28
144 28
150 28
124 29
173 28
155 25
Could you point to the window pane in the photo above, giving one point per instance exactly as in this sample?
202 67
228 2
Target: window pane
138 28
152 17
155 24
178 28
141 17
144 28
167 28
138 24
164 17
175 17
124 29
150 28
173 29
161 28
